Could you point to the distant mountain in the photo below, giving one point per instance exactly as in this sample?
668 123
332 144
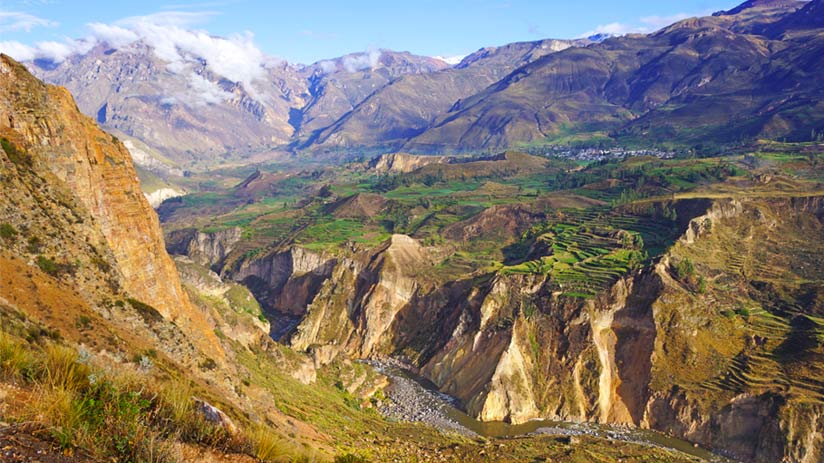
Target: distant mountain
716 79
336 86
195 116
737 75
191 115
411 103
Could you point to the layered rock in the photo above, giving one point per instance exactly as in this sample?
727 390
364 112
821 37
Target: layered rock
658 348
207 249
98 171
395 163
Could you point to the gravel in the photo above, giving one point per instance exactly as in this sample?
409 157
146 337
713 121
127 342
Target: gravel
410 401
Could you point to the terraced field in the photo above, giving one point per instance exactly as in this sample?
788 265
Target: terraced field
586 250
768 365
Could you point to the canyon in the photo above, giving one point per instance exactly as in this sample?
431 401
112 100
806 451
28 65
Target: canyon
585 239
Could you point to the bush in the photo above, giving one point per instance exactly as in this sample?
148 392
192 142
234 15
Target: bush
15 155
53 268
83 322
684 269
47 265
149 314
34 245
7 231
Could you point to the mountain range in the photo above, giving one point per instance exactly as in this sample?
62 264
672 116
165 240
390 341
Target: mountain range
644 295
749 72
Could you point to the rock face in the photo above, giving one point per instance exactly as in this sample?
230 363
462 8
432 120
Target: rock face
156 197
197 120
98 171
395 163
207 249
654 349
131 90
194 116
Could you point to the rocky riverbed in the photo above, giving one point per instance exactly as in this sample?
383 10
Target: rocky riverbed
411 401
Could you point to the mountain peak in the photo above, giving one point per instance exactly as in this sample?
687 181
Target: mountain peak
759 4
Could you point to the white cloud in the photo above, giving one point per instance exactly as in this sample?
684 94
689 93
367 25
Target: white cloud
115 36
204 91
235 58
361 61
55 52
59 51
15 21
352 63
17 50
170 36
644 25
451 60
327 66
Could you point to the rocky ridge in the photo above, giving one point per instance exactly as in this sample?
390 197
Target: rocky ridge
98 171
511 348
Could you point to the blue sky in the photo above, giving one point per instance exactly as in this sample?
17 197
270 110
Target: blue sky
308 31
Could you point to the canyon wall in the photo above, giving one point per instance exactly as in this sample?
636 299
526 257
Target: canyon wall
656 349
98 171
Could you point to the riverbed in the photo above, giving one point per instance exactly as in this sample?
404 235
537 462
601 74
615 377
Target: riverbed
416 399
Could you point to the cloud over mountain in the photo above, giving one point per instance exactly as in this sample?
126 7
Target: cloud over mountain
172 39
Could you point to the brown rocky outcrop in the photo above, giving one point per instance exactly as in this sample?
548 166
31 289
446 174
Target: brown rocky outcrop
651 350
396 163
98 171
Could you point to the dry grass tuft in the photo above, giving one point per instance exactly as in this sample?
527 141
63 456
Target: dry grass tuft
16 360
267 446
61 369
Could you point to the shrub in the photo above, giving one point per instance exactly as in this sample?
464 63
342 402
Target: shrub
15 155
34 245
114 416
7 231
47 265
684 269
702 285
83 322
149 314
208 364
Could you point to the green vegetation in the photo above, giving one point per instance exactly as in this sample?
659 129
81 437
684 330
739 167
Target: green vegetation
54 268
586 250
150 314
7 231
116 414
619 213
16 155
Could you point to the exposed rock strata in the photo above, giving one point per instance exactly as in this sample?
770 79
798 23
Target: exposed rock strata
511 348
98 171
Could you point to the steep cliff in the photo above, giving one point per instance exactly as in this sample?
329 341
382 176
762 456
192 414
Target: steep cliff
394 163
207 249
717 341
98 172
